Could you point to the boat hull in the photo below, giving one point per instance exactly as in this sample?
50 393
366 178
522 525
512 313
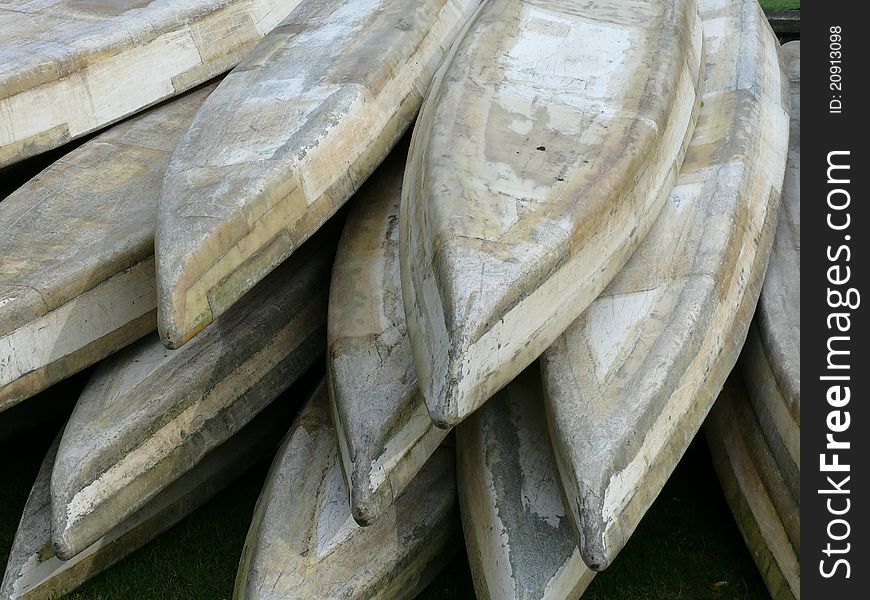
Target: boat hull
384 430
70 68
302 527
629 383
283 143
149 415
77 278
536 167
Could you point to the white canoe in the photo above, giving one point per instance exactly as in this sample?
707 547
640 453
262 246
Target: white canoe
33 572
70 67
304 543
384 430
754 490
629 383
77 252
285 140
771 361
149 415
540 160
517 533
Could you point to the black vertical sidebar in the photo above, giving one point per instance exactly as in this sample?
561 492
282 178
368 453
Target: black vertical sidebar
835 420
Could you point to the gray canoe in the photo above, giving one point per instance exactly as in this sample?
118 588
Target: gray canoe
517 531
540 160
304 543
77 251
758 495
629 383
69 67
384 430
771 360
148 415
285 140
33 572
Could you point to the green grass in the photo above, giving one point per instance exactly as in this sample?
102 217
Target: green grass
780 4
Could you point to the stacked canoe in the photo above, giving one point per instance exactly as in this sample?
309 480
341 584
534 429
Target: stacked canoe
593 184
754 431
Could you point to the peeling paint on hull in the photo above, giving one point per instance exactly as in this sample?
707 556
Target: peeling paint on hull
285 140
540 159
304 543
149 415
629 383
70 67
384 430
77 252
517 533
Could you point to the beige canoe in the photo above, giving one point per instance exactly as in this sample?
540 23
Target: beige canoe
285 140
304 543
771 360
77 252
33 572
70 67
149 415
630 382
754 490
384 430
540 160
517 531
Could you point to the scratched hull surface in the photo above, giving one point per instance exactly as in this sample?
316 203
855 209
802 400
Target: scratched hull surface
630 382
384 430
149 415
33 572
304 543
538 163
285 140
517 533
70 67
77 252
771 362
754 491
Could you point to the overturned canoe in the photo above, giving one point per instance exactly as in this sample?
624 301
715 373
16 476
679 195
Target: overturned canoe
77 252
541 157
771 360
304 543
518 536
33 572
285 140
149 415
384 431
69 67
629 383
754 491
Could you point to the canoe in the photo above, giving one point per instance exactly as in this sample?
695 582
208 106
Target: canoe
69 67
738 448
543 153
304 543
77 252
771 361
285 140
517 533
33 572
149 415
629 383
384 430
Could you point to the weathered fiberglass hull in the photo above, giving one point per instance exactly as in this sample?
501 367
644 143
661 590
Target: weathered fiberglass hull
629 383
